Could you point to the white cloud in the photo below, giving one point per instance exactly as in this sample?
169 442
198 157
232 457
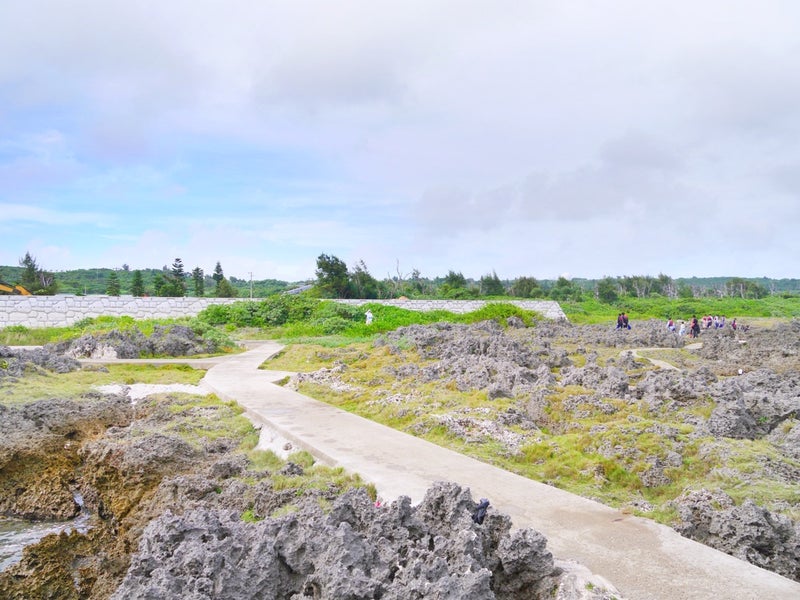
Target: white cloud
444 134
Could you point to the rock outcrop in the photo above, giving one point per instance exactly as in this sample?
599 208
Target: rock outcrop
172 340
354 550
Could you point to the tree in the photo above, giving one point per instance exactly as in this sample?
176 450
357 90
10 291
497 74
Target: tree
363 284
639 285
218 275
492 286
34 278
685 291
526 287
174 281
455 286
607 290
667 286
455 280
224 289
332 277
137 284
112 284
744 288
565 289
199 282
159 283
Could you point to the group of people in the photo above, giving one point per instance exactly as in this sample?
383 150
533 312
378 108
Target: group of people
694 327
715 322
695 324
622 321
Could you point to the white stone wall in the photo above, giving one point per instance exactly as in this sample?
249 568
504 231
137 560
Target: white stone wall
62 311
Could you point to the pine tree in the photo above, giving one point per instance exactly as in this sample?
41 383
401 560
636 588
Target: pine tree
199 282
218 276
137 285
175 284
225 289
112 284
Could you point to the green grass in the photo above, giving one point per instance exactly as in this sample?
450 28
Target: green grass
592 311
41 384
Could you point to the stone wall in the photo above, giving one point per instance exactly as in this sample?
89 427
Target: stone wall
62 311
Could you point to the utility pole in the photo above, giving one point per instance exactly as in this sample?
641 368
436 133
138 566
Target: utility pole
251 285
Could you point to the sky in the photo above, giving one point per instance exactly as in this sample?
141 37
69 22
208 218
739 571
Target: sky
542 138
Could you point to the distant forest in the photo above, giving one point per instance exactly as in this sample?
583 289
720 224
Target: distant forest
334 279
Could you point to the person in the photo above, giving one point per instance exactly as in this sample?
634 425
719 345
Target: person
619 321
368 314
682 330
733 324
695 326
625 323
671 324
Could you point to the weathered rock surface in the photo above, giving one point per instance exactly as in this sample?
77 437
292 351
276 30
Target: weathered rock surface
15 362
172 340
39 452
354 550
748 531
478 356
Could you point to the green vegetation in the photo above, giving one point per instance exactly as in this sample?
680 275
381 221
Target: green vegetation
659 307
41 384
303 317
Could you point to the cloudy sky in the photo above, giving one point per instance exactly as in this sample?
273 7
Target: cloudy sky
534 138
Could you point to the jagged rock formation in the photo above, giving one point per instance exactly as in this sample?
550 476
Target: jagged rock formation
748 531
15 362
354 550
171 340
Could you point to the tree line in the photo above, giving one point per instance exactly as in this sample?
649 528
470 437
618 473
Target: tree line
334 279
173 281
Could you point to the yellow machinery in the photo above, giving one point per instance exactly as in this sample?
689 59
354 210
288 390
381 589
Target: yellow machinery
7 288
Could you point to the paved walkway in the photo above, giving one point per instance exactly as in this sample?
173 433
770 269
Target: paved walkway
644 560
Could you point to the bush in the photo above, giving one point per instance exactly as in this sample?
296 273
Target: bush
215 314
497 311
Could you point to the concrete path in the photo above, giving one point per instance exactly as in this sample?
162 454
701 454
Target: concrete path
644 560
661 364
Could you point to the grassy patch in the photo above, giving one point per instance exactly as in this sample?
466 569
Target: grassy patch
40 384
